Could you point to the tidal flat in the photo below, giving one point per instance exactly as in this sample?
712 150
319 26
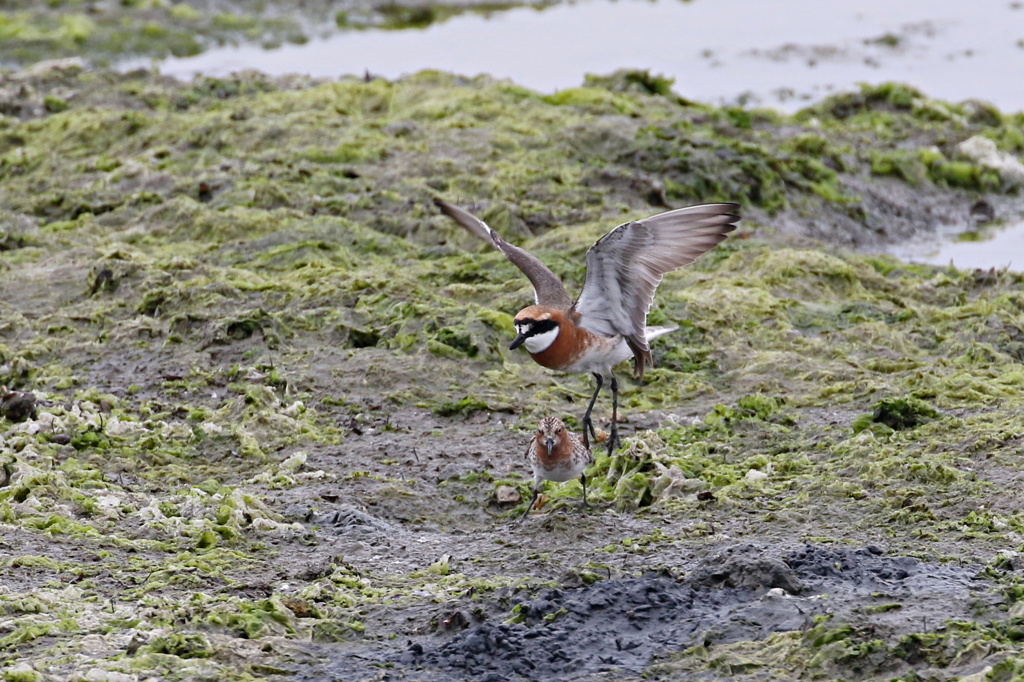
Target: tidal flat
277 432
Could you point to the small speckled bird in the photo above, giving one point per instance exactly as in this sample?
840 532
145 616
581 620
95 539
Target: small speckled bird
556 454
607 323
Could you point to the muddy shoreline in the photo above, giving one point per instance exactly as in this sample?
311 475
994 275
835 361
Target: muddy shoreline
275 405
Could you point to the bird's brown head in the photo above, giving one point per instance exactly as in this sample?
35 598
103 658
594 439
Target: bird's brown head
537 326
550 433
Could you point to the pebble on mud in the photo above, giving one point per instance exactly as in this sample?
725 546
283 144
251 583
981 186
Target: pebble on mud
507 495
17 406
985 152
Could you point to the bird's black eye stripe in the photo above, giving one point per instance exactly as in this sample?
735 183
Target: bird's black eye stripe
540 326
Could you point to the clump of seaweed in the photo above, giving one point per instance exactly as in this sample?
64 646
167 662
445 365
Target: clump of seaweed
896 414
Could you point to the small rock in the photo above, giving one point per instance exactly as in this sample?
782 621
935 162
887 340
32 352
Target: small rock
17 405
984 152
457 620
982 212
507 495
754 475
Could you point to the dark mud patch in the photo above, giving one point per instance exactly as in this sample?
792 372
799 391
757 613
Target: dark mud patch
618 628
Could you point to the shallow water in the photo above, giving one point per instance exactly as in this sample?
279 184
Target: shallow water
1001 247
779 53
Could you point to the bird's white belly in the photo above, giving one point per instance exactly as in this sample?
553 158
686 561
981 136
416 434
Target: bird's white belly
560 473
602 356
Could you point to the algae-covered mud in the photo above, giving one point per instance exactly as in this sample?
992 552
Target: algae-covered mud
260 419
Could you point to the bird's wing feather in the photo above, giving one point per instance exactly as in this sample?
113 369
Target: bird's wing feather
547 288
626 265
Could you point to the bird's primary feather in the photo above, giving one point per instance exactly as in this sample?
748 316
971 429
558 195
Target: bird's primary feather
547 288
625 267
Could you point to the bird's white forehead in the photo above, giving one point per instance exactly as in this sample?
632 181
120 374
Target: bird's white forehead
528 322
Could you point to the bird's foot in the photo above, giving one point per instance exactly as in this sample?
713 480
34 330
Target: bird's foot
613 440
529 507
588 432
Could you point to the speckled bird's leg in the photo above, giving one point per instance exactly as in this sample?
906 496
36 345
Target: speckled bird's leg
613 439
536 492
588 424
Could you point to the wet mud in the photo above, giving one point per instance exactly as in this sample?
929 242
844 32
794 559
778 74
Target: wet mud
275 431
627 628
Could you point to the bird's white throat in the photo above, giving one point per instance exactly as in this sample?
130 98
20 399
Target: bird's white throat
538 343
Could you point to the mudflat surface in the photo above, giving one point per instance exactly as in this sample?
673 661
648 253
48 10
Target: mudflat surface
275 432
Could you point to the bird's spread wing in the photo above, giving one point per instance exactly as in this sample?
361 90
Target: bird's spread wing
547 288
626 265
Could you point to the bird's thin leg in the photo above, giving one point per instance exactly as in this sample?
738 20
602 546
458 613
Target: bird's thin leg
583 480
588 424
536 492
613 440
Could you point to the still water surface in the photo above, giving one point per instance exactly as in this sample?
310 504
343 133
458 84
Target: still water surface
779 53
1002 248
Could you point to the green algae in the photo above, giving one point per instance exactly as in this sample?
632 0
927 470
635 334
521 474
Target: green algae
281 279
828 649
462 407
182 646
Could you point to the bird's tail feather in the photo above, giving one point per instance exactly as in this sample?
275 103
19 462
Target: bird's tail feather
642 356
654 332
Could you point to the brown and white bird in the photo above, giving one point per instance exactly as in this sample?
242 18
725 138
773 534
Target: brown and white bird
607 323
556 454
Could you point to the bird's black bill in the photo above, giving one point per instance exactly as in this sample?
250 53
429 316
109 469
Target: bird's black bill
550 445
518 342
